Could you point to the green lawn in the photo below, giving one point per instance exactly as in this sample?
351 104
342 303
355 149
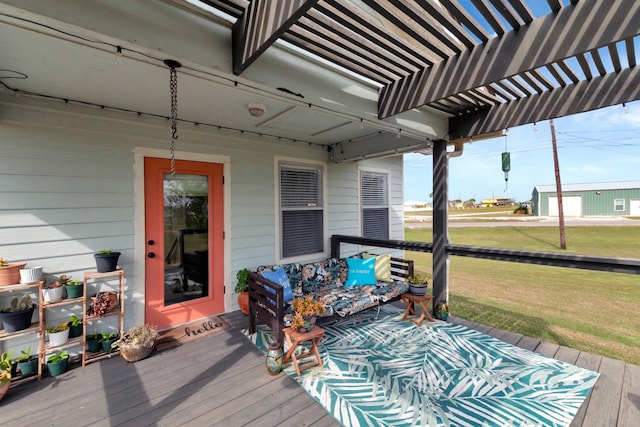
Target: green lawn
591 311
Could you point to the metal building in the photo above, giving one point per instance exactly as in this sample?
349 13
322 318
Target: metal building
593 199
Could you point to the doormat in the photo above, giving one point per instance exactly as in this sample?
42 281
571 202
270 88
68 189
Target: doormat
389 372
189 331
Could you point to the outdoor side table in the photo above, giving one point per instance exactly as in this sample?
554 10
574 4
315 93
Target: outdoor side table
410 301
295 338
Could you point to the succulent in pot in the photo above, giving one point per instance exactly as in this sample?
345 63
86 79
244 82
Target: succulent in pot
58 363
137 343
17 315
74 288
5 373
27 363
53 293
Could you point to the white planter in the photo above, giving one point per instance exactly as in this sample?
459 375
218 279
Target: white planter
58 338
30 275
53 294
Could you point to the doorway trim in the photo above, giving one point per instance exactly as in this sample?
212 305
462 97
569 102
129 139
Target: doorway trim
139 154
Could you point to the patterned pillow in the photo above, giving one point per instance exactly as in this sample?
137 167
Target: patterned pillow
361 272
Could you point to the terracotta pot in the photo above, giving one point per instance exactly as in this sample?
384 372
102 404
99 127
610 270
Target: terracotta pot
3 389
243 302
10 274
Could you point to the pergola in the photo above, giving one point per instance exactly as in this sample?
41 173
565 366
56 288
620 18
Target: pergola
489 65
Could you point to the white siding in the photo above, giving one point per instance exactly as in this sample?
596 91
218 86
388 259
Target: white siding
68 189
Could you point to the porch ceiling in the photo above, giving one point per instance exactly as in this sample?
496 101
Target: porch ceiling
403 73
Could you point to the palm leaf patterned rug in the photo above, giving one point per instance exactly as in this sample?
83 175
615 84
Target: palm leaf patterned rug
383 371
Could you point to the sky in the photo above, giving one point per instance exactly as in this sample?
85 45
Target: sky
597 146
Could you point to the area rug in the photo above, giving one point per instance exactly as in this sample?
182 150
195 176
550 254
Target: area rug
184 333
388 372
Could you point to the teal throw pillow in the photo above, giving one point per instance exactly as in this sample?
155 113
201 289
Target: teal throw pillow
280 277
361 272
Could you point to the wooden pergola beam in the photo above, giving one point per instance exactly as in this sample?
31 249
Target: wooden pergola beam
599 92
263 23
587 25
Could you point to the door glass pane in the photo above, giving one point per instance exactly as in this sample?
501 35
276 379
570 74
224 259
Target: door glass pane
186 238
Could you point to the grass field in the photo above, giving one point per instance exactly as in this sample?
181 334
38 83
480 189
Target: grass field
592 311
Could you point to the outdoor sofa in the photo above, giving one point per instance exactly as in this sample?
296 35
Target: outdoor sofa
342 285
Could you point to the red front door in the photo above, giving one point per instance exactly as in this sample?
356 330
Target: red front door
184 241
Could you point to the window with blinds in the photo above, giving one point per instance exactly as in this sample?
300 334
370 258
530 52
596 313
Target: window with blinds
374 201
301 210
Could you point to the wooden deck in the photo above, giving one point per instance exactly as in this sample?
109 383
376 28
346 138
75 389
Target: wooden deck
221 380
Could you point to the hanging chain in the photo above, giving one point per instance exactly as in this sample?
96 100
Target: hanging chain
173 88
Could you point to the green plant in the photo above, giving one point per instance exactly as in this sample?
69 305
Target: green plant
5 368
106 336
26 355
92 337
58 357
18 304
61 327
105 252
242 276
74 320
418 280
3 262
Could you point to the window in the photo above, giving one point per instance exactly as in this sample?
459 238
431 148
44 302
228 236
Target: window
374 202
301 210
618 205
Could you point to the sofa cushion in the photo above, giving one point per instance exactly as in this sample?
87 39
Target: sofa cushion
383 266
317 275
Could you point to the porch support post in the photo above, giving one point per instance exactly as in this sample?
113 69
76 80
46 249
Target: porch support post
440 277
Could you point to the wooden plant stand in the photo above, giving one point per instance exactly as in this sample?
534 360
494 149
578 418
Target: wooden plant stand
294 338
410 300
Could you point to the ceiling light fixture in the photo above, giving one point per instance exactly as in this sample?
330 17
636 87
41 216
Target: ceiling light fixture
255 109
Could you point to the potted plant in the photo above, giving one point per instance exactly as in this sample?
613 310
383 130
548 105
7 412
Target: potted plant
93 342
75 326
17 316
418 284
10 272
305 311
137 343
73 287
106 339
241 290
58 363
53 293
102 303
27 363
441 310
106 260
58 335
5 373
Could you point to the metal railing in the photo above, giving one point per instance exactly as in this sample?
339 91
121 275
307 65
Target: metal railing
612 265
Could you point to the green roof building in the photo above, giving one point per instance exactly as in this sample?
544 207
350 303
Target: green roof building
594 199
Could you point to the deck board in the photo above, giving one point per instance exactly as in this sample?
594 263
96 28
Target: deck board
221 379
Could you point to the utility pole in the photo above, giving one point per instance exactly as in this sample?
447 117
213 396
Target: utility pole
563 240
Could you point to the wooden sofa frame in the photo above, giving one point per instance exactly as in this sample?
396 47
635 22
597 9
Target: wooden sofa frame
266 298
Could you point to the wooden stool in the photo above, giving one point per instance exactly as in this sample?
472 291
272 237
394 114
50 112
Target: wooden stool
422 300
294 338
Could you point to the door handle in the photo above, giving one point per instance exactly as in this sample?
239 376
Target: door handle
151 255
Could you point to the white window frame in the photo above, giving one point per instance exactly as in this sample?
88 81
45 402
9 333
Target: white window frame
361 208
617 202
322 166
